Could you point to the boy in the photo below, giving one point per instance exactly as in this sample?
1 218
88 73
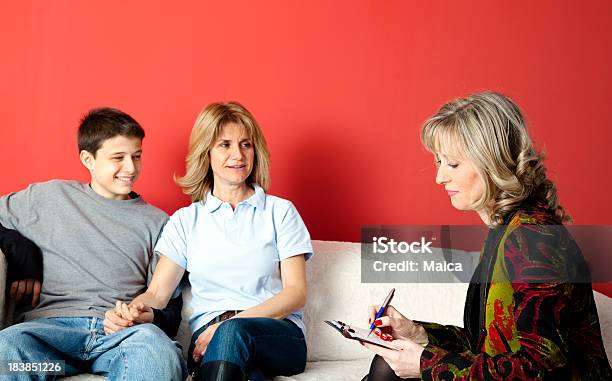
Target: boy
97 243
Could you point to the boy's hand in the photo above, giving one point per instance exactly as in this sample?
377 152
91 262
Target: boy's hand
24 289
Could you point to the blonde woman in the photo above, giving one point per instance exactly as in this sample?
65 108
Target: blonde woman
245 252
529 314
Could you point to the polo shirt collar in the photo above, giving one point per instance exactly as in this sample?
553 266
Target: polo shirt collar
258 200
211 203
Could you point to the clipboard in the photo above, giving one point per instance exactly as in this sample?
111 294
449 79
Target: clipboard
359 334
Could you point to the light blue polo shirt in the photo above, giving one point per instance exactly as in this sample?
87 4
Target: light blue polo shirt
233 256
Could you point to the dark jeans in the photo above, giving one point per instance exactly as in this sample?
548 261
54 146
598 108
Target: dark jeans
262 347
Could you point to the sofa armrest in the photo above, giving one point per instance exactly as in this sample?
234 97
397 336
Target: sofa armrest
3 309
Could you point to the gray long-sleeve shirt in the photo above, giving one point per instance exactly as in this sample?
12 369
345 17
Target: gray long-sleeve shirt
95 250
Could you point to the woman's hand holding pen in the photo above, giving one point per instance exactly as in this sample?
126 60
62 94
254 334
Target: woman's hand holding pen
408 338
395 325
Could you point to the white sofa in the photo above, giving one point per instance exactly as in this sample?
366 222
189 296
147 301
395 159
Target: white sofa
336 292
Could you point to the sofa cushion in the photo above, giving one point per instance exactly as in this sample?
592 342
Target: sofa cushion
335 292
604 311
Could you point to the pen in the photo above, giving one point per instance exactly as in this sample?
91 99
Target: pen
382 309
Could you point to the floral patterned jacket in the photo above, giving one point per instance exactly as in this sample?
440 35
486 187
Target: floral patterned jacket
529 314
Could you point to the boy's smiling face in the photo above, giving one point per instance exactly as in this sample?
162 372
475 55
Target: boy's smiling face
115 167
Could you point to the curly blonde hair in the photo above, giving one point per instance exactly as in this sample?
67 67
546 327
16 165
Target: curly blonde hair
488 129
198 179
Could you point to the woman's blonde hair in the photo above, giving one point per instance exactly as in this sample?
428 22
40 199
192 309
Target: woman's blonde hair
489 130
199 177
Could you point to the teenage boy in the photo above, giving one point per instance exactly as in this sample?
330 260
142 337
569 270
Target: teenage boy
97 244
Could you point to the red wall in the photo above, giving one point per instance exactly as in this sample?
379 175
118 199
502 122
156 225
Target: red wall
339 87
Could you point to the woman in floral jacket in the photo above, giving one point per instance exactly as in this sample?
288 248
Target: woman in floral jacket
529 312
